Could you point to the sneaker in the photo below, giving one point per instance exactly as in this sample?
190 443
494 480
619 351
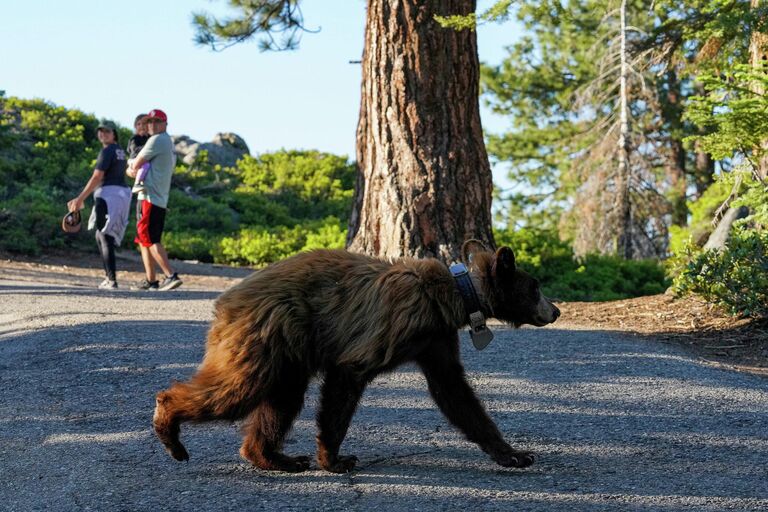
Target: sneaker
108 284
147 285
138 187
171 282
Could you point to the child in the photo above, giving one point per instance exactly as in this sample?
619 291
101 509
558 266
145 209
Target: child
134 146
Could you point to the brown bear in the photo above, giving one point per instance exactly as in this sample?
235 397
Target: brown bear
349 318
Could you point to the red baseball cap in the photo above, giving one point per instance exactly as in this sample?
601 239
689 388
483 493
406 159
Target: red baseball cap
156 113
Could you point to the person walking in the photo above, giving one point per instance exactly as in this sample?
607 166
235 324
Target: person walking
111 200
153 202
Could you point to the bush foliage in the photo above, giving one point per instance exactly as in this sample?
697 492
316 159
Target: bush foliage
592 278
265 208
733 115
737 276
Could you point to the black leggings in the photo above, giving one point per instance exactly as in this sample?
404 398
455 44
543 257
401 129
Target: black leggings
106 243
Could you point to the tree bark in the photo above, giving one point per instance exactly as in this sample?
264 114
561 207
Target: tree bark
676 156
424 181
705 169
623 183
758 51
704 166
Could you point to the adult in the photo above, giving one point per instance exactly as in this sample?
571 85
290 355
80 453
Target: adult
111 200
153 202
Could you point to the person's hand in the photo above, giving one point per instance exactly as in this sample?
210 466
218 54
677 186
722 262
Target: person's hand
130 172
75 204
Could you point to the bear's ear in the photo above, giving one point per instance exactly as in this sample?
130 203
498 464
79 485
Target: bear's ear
504 263
471 247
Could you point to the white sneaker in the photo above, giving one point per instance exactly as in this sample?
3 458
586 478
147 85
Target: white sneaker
108 284
171 282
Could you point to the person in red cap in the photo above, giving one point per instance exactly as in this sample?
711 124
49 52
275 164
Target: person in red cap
153 202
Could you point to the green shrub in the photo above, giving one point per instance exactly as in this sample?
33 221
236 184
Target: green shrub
191 245
603 278
53 144
330 234
310 184
593 278
31 221
256 209
736 278
263 209
260 246
199 214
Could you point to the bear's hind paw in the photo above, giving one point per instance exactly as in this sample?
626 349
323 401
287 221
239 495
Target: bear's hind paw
178 452
279 462
342 464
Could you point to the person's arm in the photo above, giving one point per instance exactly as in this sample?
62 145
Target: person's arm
146 154
136 164
93 183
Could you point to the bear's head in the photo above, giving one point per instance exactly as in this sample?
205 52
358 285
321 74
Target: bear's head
516 296
512 294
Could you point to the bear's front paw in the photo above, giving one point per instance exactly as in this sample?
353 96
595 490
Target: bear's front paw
297 464
341 464
514 459
275 461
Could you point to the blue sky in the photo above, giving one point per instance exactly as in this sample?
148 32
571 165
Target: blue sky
116 59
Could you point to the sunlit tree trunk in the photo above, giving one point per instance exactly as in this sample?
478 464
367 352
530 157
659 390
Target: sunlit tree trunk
758 50
623 182
424 183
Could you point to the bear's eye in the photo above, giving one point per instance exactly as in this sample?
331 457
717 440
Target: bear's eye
534 289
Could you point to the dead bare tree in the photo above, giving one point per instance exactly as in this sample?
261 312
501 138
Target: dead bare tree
618 208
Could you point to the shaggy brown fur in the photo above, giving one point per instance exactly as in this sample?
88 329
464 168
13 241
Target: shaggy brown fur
349 317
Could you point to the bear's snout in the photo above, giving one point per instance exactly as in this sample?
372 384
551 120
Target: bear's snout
546 312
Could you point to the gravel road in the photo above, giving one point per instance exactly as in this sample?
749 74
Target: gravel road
618 423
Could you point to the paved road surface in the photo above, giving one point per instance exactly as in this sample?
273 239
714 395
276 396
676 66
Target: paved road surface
618 423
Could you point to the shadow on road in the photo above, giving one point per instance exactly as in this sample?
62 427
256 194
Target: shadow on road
75 292
617 423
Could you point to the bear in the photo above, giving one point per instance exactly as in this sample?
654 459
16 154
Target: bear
346 317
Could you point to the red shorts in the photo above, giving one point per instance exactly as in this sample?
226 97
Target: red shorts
150 221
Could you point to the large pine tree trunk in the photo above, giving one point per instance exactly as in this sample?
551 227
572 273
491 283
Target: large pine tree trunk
424 182
758 51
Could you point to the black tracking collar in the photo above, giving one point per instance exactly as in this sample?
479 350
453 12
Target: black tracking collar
478 331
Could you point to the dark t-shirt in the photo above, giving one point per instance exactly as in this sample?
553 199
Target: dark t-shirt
135 144
112 161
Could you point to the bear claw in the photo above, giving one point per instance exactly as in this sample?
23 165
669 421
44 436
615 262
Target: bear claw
178 452
515 459
342 464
